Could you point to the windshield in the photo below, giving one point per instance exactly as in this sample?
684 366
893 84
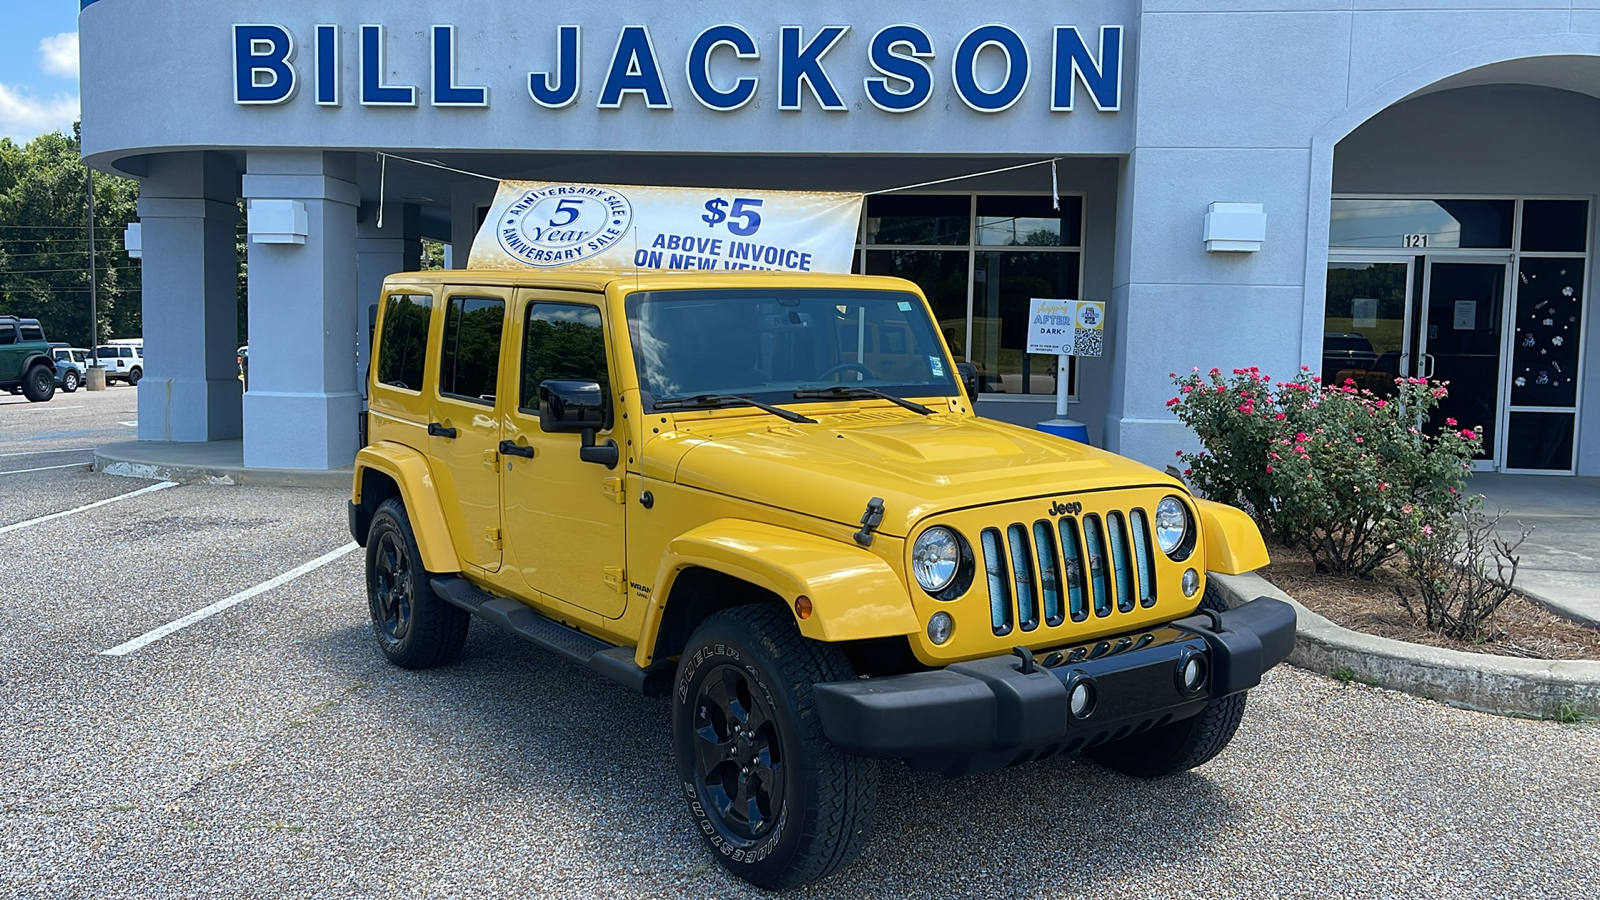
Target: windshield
771 343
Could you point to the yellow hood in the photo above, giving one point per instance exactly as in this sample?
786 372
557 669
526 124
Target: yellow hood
918 465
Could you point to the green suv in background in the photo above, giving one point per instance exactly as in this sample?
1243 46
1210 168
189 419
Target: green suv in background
26 365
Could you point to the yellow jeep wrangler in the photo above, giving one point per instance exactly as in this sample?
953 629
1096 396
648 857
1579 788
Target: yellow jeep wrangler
766 497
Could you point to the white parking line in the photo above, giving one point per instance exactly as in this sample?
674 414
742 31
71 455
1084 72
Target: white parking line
44 468
42 452
53 516
151 637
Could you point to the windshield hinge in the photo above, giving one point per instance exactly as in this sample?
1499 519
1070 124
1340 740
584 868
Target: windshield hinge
613 489
870 520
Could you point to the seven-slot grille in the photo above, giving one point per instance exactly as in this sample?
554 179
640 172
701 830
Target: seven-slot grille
1072 567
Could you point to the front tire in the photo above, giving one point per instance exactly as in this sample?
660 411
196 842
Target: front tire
415 628
775 802
1182 745
69 381
134 375
39 384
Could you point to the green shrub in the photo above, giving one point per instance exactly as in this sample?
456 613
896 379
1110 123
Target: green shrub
1321 466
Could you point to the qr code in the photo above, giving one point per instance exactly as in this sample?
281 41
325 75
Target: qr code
1088 341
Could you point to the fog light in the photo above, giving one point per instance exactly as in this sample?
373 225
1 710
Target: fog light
1080 698
1194 673
1191 582
940 627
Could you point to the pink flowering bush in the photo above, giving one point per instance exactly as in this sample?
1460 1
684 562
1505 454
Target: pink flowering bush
1327 467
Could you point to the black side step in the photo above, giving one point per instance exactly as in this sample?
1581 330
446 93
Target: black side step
615 663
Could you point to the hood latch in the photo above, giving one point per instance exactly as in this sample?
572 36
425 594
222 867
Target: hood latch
870 520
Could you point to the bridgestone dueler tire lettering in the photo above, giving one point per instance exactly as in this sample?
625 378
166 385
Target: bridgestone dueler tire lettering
436 630
1182 745
828 798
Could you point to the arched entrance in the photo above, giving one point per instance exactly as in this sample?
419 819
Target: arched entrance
1460 240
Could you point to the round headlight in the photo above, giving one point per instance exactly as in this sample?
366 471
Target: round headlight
935 557
1172 524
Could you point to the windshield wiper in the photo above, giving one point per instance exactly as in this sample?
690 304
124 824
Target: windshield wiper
714 401
858 393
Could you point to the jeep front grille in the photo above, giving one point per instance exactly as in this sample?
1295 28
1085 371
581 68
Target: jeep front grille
1068 568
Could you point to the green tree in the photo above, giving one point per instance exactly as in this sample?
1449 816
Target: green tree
44 243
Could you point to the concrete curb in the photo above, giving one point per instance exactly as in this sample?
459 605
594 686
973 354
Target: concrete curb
1497 684
130 460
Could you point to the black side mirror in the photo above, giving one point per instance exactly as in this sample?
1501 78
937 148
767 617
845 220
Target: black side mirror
571 406
969 379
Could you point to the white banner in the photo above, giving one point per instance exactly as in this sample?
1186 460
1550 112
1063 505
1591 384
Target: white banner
548 225
1067 327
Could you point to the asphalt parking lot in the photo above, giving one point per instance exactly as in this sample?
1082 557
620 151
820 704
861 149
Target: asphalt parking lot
267 750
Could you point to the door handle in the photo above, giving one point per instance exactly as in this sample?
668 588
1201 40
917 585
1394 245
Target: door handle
1428 363
437 430
507 448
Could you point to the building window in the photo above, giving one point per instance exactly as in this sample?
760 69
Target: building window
980 259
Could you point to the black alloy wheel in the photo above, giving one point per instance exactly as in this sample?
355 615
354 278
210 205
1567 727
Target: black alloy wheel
415 628
738 757
391 593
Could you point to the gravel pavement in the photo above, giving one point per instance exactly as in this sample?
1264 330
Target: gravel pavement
270 750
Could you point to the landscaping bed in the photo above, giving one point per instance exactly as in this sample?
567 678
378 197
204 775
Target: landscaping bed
1371 605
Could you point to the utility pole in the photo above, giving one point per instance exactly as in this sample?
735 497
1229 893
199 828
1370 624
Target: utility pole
97 375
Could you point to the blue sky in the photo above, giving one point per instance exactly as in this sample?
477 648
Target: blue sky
38 67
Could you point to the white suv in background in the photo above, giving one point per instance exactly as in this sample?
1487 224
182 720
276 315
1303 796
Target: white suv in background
123 360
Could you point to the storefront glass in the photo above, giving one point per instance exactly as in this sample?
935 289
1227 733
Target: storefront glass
980 260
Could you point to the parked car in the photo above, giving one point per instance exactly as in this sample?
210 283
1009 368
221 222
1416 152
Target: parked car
26 366
122 360
706 487
72 364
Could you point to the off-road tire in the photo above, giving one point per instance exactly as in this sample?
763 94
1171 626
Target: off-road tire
69 381
825 798
415 628
39 384
134 375
1182 745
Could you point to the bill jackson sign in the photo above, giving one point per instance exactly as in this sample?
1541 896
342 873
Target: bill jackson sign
723 67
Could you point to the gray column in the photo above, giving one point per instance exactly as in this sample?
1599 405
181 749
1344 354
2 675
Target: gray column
396 247
300 412
189 213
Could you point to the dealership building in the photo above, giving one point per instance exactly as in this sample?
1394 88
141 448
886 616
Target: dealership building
1382 188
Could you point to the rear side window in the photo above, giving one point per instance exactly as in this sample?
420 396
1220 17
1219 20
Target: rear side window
403 345
32 333
8 334
469 361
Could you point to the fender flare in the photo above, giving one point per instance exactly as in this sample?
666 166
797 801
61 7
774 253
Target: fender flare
1233 544
854 594
410 471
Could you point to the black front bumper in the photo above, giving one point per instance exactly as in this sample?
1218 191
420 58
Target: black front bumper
989 713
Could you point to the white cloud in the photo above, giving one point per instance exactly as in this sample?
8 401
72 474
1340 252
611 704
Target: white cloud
58 55
22 118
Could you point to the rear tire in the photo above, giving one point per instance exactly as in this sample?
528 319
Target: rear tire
1182 745
777 805
39 384
415 628
69 381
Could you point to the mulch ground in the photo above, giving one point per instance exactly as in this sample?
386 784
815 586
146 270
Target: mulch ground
1370 605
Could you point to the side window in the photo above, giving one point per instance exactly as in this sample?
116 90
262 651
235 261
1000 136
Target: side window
403 346
32 333
562 340
470 362
8 334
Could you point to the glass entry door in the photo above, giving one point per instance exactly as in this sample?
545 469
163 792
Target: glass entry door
1463 330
